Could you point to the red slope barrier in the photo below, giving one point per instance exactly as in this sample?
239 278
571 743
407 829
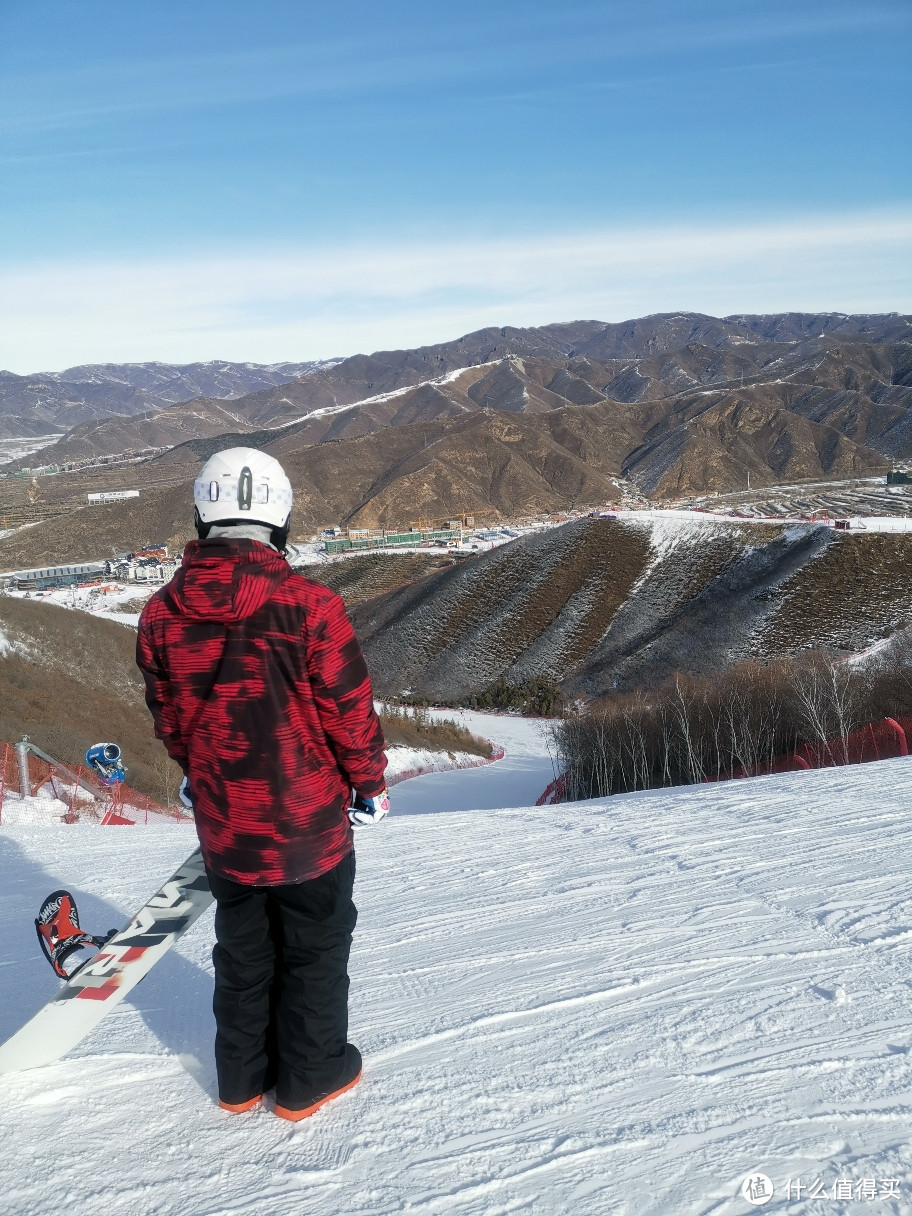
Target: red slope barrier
884 740
497 753
86 798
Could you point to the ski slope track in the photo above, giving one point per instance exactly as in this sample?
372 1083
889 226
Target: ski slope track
618 1007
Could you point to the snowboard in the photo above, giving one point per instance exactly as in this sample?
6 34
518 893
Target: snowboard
103 982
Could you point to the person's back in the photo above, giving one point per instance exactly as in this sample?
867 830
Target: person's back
260 692
258 687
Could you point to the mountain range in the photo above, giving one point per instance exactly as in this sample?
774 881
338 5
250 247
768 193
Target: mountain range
47 402
508 422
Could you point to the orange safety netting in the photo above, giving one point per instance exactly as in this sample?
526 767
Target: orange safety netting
60 794
884 740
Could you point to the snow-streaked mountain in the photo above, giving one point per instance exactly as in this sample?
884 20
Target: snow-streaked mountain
181 381
606 604
51 401
618 1008
684 402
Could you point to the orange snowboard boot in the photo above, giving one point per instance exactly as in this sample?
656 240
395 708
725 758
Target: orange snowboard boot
238 1108
351 1075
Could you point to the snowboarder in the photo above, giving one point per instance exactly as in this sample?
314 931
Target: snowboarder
260 692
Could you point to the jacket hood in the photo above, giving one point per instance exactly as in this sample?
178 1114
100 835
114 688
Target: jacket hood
226 580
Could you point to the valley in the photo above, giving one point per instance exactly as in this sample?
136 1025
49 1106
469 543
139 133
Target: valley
783 424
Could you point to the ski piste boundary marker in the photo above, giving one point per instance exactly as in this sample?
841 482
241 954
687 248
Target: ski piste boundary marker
103 982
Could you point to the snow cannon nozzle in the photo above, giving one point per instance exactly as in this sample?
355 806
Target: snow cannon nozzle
105 760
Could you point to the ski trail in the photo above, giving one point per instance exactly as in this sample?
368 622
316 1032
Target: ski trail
617 1007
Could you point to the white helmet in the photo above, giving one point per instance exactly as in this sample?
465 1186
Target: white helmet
242 483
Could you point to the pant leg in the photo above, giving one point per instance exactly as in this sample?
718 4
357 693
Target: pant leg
316 921
245 964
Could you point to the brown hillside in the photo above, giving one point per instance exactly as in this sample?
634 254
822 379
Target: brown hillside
866 577
162 515
691 420
698 404
68 680
371 574
599 604
158 428
499 466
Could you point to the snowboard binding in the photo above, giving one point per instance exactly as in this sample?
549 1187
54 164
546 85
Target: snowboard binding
57 926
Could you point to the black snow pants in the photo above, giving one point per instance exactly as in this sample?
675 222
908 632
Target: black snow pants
281 985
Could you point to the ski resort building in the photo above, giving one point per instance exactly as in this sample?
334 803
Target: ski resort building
46 577
364 539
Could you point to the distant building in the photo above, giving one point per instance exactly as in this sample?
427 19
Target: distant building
47 577
145 568
113 495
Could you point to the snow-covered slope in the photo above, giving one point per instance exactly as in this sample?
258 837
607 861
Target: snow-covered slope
620 1007
520 777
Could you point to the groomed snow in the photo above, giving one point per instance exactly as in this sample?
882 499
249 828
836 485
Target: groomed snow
669 518
618 1007
519 778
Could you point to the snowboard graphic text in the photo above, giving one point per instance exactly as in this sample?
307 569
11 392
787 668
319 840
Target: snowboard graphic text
160 923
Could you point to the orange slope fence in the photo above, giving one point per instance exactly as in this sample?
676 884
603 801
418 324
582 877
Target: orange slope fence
884 740
58 793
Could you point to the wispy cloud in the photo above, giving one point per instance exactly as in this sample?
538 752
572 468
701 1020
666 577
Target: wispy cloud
308 303
580 36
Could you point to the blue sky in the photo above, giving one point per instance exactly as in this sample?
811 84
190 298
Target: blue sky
298 180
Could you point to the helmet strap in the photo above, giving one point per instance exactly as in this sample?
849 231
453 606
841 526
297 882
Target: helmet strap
202 529
278 537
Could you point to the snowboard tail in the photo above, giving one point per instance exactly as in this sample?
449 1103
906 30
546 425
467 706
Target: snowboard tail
101 983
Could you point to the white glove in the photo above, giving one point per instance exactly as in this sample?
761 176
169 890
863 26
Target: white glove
184 793
367 811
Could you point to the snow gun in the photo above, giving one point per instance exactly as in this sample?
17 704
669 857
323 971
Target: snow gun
104 759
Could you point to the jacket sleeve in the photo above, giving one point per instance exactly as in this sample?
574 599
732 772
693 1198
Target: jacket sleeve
344 698
158 694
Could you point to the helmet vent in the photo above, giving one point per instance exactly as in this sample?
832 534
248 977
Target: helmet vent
213 491
245 489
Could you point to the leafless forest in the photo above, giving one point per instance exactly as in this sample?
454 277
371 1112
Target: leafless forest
698 728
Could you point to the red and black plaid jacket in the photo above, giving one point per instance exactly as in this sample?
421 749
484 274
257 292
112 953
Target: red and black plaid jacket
259 691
